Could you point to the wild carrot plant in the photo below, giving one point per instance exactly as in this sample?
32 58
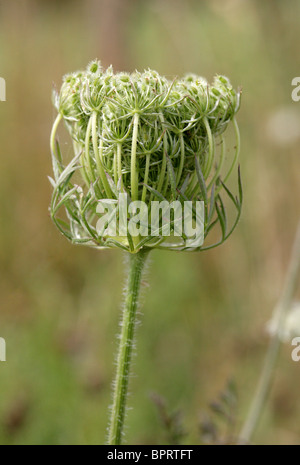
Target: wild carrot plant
141 140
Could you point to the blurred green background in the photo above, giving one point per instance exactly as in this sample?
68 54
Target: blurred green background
204 315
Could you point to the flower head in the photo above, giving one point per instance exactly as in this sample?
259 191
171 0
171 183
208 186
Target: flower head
146 137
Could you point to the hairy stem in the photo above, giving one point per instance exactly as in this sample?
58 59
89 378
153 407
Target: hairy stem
136 266
265 381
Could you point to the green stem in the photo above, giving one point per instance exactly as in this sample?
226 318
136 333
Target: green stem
53 145
144 194
119 164
134 172
182 158
267 373
210 157
88 165
98 156
115 168
53 133
218 170
164 160
137 262
237 149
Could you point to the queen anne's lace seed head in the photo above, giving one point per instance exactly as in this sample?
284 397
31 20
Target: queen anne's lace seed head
146 136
